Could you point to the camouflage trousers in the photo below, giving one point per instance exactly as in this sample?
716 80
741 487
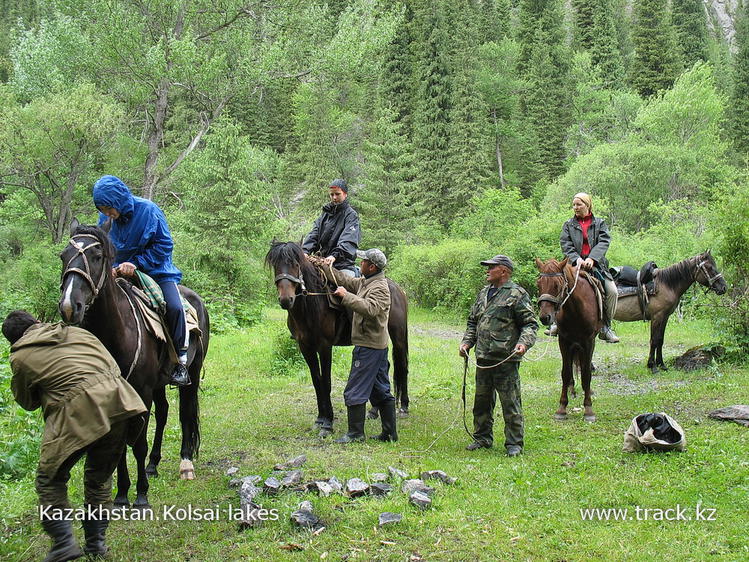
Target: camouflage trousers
504 381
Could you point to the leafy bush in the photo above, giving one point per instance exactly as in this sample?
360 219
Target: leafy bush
286 358
446 275
32 282
20 430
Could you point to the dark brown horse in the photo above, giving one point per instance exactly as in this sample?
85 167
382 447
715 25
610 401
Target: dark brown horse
671 283
93 299
567 297
317 327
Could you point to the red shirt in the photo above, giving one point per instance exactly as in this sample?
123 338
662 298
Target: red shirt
585 222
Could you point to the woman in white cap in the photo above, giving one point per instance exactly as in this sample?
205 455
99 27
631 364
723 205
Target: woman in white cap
585 240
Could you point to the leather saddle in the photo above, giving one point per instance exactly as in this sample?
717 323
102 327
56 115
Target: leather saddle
642 283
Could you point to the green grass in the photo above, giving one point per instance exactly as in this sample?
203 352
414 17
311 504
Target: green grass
525 508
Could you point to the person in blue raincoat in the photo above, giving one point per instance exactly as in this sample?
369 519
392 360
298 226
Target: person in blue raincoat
141 236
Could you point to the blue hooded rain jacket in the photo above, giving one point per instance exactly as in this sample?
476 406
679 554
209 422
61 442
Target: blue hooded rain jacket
140 235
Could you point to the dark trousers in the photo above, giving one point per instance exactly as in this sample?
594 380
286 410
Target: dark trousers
368 378
102 457
175 315
504 381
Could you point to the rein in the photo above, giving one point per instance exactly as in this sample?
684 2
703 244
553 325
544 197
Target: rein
300 280
565 290
710 279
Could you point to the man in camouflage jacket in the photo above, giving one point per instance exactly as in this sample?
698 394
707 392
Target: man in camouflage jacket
502 326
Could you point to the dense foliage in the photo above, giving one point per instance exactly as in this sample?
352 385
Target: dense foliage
463 128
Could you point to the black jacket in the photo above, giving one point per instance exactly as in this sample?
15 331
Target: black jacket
571 241
335 233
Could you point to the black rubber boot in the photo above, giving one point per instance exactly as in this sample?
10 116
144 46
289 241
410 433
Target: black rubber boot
95 529
64 546
180 376
356 415
387 415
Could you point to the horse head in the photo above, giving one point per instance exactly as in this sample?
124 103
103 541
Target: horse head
707 273
287 259
551 283
86 262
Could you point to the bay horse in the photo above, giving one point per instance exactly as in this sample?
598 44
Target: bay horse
316 325
567 297
671 283
94 300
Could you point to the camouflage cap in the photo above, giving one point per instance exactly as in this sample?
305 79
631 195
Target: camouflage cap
375 256
499 259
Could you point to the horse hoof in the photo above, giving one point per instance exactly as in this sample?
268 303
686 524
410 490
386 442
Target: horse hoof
402 412
325 433
121 501
186 470
152 471
590 418
373 414
318 423
560 417
142 506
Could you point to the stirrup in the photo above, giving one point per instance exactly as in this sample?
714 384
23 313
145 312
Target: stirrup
180 376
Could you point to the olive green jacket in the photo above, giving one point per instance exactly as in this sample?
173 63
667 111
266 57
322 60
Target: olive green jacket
369 298
67 372
496 326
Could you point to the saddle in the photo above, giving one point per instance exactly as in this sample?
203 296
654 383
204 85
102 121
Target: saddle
150 301
642 283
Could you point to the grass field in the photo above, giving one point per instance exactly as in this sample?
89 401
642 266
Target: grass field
526 508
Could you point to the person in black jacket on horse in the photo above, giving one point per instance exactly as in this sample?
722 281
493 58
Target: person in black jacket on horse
335 234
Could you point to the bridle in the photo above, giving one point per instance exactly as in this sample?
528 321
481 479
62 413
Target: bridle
300 282
711 279
296 280
565 292
85 273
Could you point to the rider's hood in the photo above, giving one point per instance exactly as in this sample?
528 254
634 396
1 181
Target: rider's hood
111 191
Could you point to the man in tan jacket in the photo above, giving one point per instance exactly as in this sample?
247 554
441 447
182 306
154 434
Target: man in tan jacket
87 408
369 299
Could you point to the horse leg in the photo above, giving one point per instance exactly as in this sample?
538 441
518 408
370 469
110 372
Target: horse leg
140 451
189 418
561 413
586 356
325 406
123 482
313 363
659 337
161 413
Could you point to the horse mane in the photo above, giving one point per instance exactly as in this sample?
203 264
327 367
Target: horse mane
673 274
550 266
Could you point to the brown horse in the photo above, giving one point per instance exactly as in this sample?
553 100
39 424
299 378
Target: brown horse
568 298
317 327
671 283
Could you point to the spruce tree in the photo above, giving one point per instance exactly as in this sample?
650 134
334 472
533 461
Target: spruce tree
584 11
604 48
469 149
740 95
690 22
657 62
547 104
431 109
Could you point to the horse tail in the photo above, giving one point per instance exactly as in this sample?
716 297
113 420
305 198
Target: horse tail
398 331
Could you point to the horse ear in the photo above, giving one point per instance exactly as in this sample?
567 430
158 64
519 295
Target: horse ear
564 262
539 263
107 226
74 224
